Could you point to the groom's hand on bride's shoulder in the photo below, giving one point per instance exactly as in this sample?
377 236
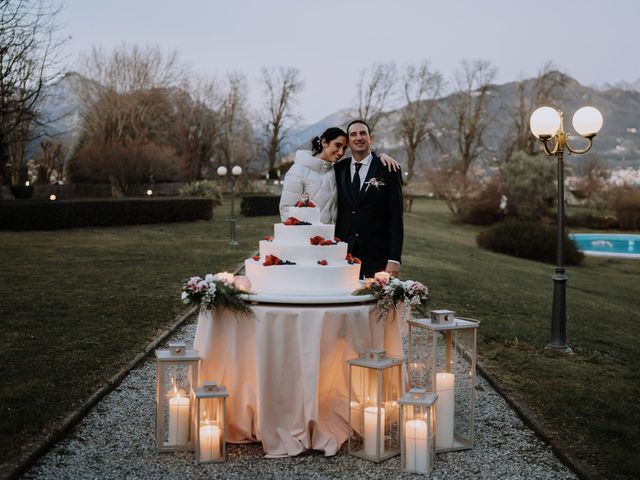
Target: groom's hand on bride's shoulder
389 162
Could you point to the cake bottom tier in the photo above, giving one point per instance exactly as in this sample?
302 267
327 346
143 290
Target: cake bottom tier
311 280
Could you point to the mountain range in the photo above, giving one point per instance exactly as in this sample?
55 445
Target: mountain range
618 143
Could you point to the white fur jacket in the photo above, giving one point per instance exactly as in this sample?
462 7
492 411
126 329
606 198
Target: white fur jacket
314 176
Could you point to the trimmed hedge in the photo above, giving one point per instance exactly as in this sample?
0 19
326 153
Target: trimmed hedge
48 215
260 205
527 239
588 220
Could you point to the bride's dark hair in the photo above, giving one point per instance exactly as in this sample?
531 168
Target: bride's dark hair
328 135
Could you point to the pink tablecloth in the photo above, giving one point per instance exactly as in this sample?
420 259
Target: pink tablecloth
286 372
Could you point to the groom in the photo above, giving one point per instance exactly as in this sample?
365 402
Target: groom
369 205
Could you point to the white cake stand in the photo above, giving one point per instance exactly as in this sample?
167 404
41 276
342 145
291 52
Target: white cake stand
307 299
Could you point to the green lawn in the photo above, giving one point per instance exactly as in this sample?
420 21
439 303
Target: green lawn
76 305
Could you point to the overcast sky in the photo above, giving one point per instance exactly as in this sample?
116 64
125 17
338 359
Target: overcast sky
331 41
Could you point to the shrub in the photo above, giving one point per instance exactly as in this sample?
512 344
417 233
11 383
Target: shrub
22 191
124 165
260 205
627 207
202 189
528 239
47 215
595 222
484 209
530 185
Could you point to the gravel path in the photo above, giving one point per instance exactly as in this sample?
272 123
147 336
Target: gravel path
117 440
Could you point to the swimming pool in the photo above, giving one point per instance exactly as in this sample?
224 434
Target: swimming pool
608 244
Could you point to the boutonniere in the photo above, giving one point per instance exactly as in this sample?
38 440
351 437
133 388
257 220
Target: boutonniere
374 183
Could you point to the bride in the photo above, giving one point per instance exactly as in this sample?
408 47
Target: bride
312 173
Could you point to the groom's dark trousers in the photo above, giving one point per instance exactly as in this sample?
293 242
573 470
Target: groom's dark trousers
370 221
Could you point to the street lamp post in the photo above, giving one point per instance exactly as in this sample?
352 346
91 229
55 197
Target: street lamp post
547 123
236 171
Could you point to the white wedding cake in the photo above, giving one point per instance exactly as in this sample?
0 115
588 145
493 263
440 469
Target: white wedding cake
303 258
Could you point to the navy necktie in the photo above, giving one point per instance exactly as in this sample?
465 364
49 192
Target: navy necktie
356 179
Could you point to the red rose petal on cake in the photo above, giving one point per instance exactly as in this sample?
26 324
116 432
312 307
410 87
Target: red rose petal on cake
327 242
336 239
356 260
322 262
256 257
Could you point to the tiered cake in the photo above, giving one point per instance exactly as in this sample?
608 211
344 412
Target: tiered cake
303 258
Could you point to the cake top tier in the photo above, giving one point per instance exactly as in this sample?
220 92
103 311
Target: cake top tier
305 214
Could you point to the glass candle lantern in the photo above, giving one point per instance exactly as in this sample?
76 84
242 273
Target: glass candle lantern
210 422
375 386
176 375
442 360
417 438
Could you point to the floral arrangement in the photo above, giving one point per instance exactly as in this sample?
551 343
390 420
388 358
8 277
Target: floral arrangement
213 292
320 240
295 221
373 183
273 260
395 292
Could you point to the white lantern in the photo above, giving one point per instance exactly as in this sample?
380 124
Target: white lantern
222 171
545 122
237 170
210 420
375 382
177 374
417 419
442 360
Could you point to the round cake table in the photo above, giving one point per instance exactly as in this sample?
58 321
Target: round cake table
285 367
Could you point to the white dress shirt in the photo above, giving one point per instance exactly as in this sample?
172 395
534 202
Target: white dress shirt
366 162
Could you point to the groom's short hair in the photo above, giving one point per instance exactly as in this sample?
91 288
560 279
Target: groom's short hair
353 122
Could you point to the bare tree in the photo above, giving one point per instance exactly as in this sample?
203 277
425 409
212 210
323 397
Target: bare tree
469 108
197 127
546 88
421 87
281 85
49 162
236 144
130 102
120 100
374 91
29 54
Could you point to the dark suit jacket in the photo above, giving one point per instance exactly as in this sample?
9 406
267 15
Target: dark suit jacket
371 222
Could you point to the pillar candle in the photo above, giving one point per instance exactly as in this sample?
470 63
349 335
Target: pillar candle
445 408
209 442
226 277
371 432
415 449
178 420
384 276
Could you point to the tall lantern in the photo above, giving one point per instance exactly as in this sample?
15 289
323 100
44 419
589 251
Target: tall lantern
210 422
177 374
375 386
417 418
442 360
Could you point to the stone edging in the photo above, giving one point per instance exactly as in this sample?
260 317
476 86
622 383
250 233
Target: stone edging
582 469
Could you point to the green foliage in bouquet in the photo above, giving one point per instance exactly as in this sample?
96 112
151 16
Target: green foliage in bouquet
392 294
212 292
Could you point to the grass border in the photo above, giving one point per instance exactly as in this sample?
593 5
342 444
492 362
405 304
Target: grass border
583 470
